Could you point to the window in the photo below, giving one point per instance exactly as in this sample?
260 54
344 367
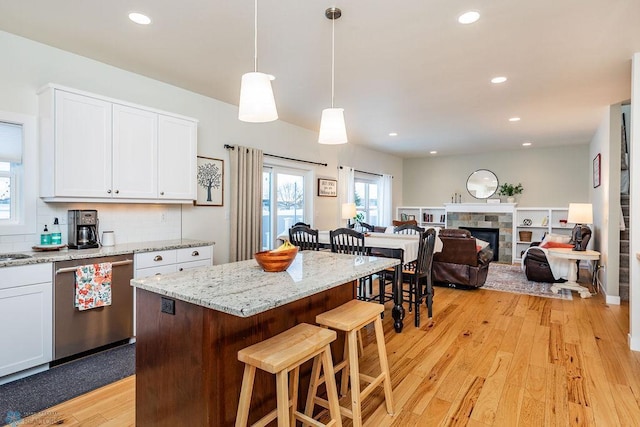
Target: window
366 199
17 174
285 201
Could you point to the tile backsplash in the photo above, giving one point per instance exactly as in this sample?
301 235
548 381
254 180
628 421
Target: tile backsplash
129 222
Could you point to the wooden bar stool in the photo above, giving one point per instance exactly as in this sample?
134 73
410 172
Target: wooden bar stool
351 317
279 355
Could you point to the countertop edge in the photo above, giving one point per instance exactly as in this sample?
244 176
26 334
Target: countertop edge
38 257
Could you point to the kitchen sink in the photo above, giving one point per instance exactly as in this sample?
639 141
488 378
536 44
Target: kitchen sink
12 257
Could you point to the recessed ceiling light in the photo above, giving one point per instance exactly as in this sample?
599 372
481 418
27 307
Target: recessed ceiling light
514 119
433 152
139 18
393 133
526 144
500 79
469 17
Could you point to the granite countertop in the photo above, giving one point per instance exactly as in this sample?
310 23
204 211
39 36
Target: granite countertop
119 249
243 289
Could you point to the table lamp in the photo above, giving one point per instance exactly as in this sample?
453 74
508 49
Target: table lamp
348 212
580 214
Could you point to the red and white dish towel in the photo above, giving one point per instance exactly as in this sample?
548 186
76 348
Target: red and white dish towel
93 286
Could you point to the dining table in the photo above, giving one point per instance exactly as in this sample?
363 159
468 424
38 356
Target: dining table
401 246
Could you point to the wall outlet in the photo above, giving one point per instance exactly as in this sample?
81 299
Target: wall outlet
163 217
168 306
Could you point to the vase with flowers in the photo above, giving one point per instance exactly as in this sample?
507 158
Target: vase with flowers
510 191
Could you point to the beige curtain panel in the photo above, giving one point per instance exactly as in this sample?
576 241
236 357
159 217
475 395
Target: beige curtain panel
246 202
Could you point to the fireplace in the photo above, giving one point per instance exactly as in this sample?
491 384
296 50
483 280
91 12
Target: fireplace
491 235
497 216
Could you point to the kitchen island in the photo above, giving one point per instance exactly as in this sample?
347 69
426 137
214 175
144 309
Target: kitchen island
192 324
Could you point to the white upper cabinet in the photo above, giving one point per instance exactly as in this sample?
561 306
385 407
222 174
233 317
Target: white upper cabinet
103 150
176 158
82 156
135 153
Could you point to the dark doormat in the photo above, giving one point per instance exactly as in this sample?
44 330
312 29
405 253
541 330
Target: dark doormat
27 396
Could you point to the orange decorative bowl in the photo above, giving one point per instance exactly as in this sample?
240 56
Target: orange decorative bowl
272 262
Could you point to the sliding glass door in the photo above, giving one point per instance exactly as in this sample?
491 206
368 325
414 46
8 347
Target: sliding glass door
285 200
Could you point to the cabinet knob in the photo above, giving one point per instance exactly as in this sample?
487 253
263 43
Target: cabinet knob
117 191
195 253
108 191
157 258
162 193
158 274
180 269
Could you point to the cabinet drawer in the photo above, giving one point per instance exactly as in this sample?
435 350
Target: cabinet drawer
194 254
154 259
194 264
25 275
153 271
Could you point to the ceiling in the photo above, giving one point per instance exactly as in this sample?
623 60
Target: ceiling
411 68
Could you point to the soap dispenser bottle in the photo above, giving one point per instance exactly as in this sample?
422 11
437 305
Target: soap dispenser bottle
45 237
56 234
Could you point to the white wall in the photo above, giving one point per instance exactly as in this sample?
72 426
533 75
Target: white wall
550 176
634 209
606 200
27 66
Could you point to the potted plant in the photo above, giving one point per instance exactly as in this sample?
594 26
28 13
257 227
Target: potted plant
510 190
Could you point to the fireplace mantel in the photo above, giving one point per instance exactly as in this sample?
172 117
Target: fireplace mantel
481 207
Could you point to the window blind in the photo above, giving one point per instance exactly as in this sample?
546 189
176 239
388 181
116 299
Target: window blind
10 142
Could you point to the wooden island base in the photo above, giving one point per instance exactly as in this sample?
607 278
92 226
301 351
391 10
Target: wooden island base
187 368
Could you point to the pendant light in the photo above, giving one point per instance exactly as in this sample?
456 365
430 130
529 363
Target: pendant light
332 128
257 104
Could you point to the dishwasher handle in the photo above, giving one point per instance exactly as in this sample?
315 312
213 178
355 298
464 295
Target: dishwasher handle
114 264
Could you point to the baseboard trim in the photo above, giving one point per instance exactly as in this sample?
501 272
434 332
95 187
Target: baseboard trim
611 299
634 343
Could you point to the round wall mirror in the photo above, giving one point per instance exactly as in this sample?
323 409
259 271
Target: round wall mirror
482 184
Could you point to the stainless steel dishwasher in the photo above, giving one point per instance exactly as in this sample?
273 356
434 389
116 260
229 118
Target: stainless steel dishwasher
77 331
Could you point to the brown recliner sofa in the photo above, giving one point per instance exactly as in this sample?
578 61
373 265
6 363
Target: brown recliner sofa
460 264
536 265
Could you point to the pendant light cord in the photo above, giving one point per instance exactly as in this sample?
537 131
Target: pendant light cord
255 37
333 57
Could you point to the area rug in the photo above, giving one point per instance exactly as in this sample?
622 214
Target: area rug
511 278
27 396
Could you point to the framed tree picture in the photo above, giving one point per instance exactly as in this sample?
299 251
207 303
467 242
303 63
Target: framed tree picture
209 179
596 171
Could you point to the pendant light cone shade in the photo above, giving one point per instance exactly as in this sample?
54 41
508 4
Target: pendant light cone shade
257 104
332 128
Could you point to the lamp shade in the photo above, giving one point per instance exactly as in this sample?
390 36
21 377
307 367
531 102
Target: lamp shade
332 128
257 104
580 213
348 210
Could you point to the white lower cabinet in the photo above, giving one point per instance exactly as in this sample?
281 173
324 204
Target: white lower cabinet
148 264
26 317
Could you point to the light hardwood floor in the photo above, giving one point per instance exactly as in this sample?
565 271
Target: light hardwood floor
489 359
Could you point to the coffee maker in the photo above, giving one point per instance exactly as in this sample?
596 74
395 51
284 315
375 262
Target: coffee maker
83 229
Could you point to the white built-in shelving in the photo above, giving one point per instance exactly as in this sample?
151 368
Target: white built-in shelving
426 216
538 221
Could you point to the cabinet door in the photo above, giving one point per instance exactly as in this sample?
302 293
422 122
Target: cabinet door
28 341
135 147
177 144
82 146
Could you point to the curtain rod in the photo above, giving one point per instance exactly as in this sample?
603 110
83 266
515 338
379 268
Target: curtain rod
231 147
369 173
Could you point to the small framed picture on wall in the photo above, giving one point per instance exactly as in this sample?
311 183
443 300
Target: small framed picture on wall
327 187
596 171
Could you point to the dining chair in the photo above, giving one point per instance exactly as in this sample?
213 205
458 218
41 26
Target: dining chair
351 242
302 223
418 276
408 229
304 237
367 227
